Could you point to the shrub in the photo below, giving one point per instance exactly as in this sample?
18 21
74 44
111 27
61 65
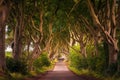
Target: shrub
37 63
45 60
99 62
77 60
42 61
17 66
96 63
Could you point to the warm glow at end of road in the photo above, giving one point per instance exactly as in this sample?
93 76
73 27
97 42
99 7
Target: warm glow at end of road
60 68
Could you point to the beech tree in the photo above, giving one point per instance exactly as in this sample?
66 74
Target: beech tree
50 24
3 18
107 26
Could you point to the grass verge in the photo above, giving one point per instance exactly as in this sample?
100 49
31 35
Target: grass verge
18 76
87 72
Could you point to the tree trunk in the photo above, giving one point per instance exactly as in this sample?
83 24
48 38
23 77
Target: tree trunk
17 42
113 53
109 34
18 33
3 18
2 48
113 57
83 50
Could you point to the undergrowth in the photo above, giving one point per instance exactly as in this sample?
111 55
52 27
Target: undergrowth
88 72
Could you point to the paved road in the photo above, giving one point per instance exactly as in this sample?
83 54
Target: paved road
60 72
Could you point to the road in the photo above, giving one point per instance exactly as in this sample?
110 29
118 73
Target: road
60 72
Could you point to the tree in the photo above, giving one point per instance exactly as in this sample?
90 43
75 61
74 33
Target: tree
107 28
81 37
3 18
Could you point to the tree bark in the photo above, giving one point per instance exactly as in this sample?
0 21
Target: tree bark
108 34
18 33
2 48
3 18
112 54
17 43
83 51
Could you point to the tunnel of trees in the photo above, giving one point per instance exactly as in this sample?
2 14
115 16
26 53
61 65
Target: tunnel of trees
88 30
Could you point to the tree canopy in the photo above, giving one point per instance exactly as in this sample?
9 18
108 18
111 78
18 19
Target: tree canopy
54 26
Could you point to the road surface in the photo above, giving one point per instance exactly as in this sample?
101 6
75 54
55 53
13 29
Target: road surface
60 72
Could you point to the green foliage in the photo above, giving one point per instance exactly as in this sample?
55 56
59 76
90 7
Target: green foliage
17 76
8 54
86 72
17 66
112 69
94 65
98 62
76 59
92 62
42 61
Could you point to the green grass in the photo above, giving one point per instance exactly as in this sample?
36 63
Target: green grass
17 76
86 72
